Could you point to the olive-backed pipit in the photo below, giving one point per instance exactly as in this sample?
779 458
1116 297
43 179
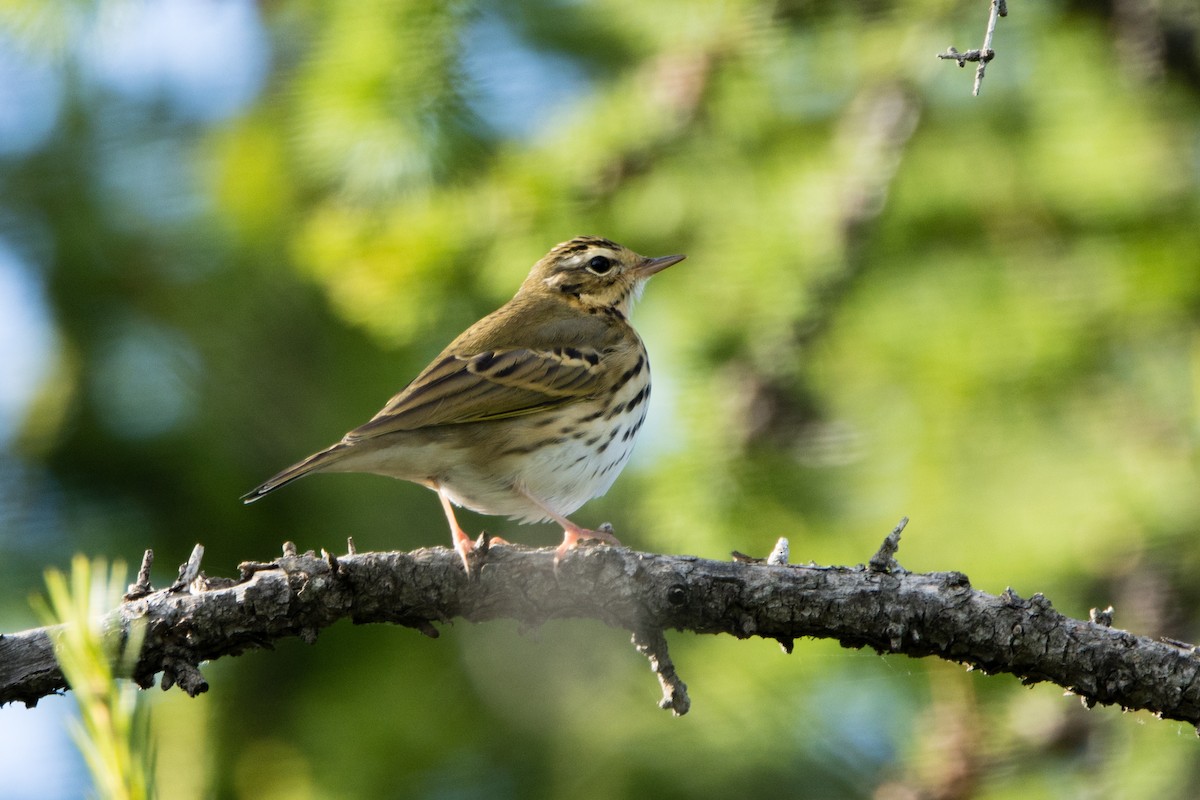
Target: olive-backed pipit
530 412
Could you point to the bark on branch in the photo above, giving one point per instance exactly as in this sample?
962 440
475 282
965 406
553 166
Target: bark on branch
879 606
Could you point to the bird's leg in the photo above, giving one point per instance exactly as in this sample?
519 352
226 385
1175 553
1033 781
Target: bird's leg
462 542
572 533
459 538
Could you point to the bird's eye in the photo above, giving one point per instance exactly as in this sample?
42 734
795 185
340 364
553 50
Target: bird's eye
600 264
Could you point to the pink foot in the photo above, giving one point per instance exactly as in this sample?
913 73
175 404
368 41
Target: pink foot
573 535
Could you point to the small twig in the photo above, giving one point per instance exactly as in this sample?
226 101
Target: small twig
652 643
778 557
189 570
952 54
1182 645
248 568
984 54
987 44
884 559
185 675
141 587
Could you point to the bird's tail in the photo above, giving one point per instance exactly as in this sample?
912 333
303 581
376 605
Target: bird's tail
314 463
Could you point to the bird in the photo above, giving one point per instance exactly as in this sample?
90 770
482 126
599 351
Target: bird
527 414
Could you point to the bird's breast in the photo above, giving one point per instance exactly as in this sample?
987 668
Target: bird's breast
564 456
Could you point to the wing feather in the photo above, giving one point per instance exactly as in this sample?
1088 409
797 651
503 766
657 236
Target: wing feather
495 384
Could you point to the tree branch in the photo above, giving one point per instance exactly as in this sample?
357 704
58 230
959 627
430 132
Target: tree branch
879 606
984 54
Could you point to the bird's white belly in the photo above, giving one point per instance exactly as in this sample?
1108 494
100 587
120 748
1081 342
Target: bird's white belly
561 468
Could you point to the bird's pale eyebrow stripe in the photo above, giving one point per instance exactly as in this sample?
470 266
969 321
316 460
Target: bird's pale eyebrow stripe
582 243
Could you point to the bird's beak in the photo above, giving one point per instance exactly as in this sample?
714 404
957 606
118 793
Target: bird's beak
652 266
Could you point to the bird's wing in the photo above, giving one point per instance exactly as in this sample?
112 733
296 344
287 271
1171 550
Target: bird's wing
486 386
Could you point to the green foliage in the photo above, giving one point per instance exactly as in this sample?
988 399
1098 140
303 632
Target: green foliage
113 730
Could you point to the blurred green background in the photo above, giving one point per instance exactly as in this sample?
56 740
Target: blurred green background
230 231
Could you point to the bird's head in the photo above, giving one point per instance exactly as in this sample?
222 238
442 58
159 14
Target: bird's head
595 272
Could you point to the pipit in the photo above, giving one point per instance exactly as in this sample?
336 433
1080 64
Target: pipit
530 412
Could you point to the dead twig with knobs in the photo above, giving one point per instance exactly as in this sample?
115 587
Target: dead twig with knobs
983 55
